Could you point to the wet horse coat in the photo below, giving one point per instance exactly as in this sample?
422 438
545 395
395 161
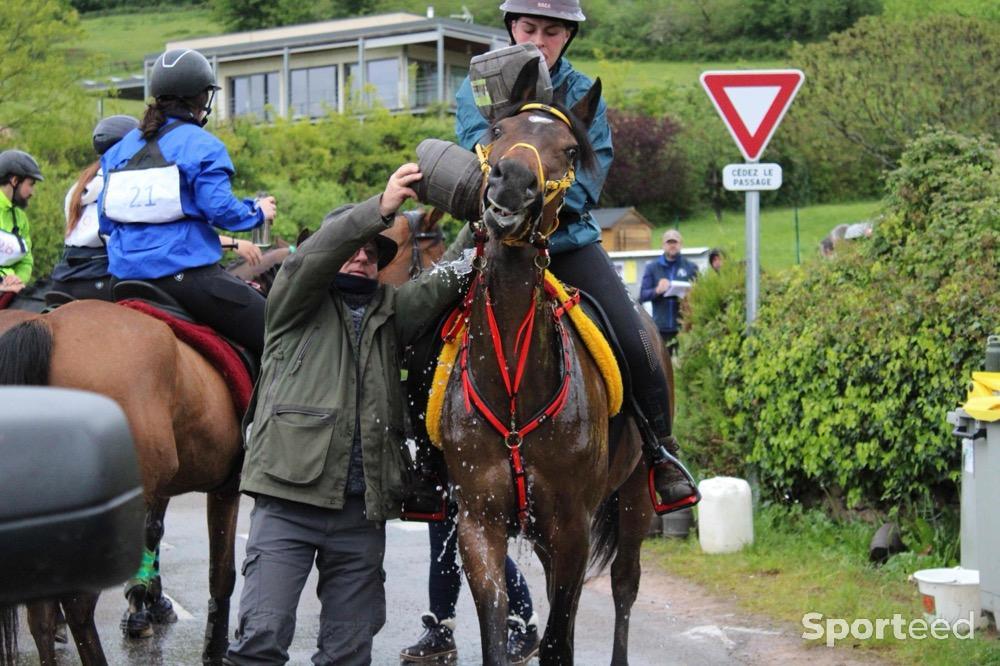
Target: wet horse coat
581 505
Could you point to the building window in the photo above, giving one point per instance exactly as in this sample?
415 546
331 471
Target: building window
423 83
250 95
314 91
456 75
383 75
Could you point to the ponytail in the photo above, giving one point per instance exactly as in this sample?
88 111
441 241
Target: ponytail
75 209
185 108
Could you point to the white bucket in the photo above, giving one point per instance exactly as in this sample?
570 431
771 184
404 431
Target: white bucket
950 594
725 515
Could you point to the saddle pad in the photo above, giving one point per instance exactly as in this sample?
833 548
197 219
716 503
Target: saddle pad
592 337
5 299
207 343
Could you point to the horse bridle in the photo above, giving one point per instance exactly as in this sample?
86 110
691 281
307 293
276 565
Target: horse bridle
551 189
413 219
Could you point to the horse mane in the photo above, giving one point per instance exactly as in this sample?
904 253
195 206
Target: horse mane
586 158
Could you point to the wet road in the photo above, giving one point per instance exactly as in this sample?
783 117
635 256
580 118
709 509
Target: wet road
665 629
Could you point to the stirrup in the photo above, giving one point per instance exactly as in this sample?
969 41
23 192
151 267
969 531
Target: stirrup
662 508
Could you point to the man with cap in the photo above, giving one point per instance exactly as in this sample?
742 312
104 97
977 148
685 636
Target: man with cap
18 174
326 456
660 274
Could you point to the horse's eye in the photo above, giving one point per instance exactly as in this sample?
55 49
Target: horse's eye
496 132
571 153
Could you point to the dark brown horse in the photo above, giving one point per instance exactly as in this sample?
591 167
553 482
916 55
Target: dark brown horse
581 499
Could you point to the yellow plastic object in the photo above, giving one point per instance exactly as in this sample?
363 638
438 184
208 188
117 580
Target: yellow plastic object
983 400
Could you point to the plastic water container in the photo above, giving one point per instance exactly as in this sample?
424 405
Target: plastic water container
950 594
725 515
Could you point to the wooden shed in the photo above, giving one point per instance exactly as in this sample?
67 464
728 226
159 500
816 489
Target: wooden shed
623 229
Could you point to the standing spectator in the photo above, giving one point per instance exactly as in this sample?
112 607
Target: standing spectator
662 284
326 456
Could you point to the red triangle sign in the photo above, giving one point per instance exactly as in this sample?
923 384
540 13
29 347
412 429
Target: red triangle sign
752 103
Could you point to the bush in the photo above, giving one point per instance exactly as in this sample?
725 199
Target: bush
842 389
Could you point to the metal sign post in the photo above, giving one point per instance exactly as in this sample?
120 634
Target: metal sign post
752 104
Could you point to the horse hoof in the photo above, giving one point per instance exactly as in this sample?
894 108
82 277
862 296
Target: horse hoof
137 625
161 611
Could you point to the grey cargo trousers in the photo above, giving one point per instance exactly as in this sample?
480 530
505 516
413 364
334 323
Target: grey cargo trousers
348 549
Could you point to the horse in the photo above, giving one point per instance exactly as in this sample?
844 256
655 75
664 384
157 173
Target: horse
533 457
171 460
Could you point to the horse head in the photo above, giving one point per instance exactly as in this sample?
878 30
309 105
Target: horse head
531 161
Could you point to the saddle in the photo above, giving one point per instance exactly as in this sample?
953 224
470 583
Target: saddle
238 367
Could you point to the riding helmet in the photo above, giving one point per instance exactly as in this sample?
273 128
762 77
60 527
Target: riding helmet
181 73
567 11
19 163
110 131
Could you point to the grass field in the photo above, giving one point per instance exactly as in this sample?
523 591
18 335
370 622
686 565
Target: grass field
636 75
121 40
777 230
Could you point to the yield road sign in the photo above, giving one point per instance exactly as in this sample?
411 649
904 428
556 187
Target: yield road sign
752 103
751 177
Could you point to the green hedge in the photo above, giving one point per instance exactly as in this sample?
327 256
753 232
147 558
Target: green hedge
842 389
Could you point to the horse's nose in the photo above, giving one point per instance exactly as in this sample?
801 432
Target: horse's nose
512 185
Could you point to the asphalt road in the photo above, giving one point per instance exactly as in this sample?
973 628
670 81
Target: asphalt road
672 622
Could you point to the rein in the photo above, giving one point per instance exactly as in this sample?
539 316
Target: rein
416 236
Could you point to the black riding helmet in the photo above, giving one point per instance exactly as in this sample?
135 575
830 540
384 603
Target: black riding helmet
183 74
567 11
18 163
111 130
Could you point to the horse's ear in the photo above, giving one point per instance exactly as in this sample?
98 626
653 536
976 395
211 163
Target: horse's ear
435 216
586 108
523 90
303 235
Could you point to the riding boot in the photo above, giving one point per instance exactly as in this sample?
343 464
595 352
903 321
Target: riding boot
522 639
436 645
671 486
426 495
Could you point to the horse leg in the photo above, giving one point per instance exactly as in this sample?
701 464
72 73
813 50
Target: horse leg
137 621
8 635
223 507
484 547
634 514
42 624
79 609
161 610
568 540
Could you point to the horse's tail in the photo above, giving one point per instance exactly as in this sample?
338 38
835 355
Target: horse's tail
26 353
8 635
604 533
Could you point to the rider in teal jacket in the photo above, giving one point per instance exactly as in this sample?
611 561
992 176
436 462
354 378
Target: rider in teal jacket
569 86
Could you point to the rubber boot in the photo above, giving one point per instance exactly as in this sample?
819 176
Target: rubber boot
522 639
436 645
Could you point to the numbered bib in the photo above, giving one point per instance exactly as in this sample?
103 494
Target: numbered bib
150 195
12 249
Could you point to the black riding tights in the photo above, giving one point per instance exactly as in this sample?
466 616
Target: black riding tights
589 268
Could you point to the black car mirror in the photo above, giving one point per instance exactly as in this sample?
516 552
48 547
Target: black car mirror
71 506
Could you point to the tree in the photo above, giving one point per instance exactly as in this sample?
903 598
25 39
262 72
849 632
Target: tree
38 74
648 167
879 83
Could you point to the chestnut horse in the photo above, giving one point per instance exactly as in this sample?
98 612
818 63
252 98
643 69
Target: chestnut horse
186 431
581 499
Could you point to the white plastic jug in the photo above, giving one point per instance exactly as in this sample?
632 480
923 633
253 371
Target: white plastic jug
725 515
